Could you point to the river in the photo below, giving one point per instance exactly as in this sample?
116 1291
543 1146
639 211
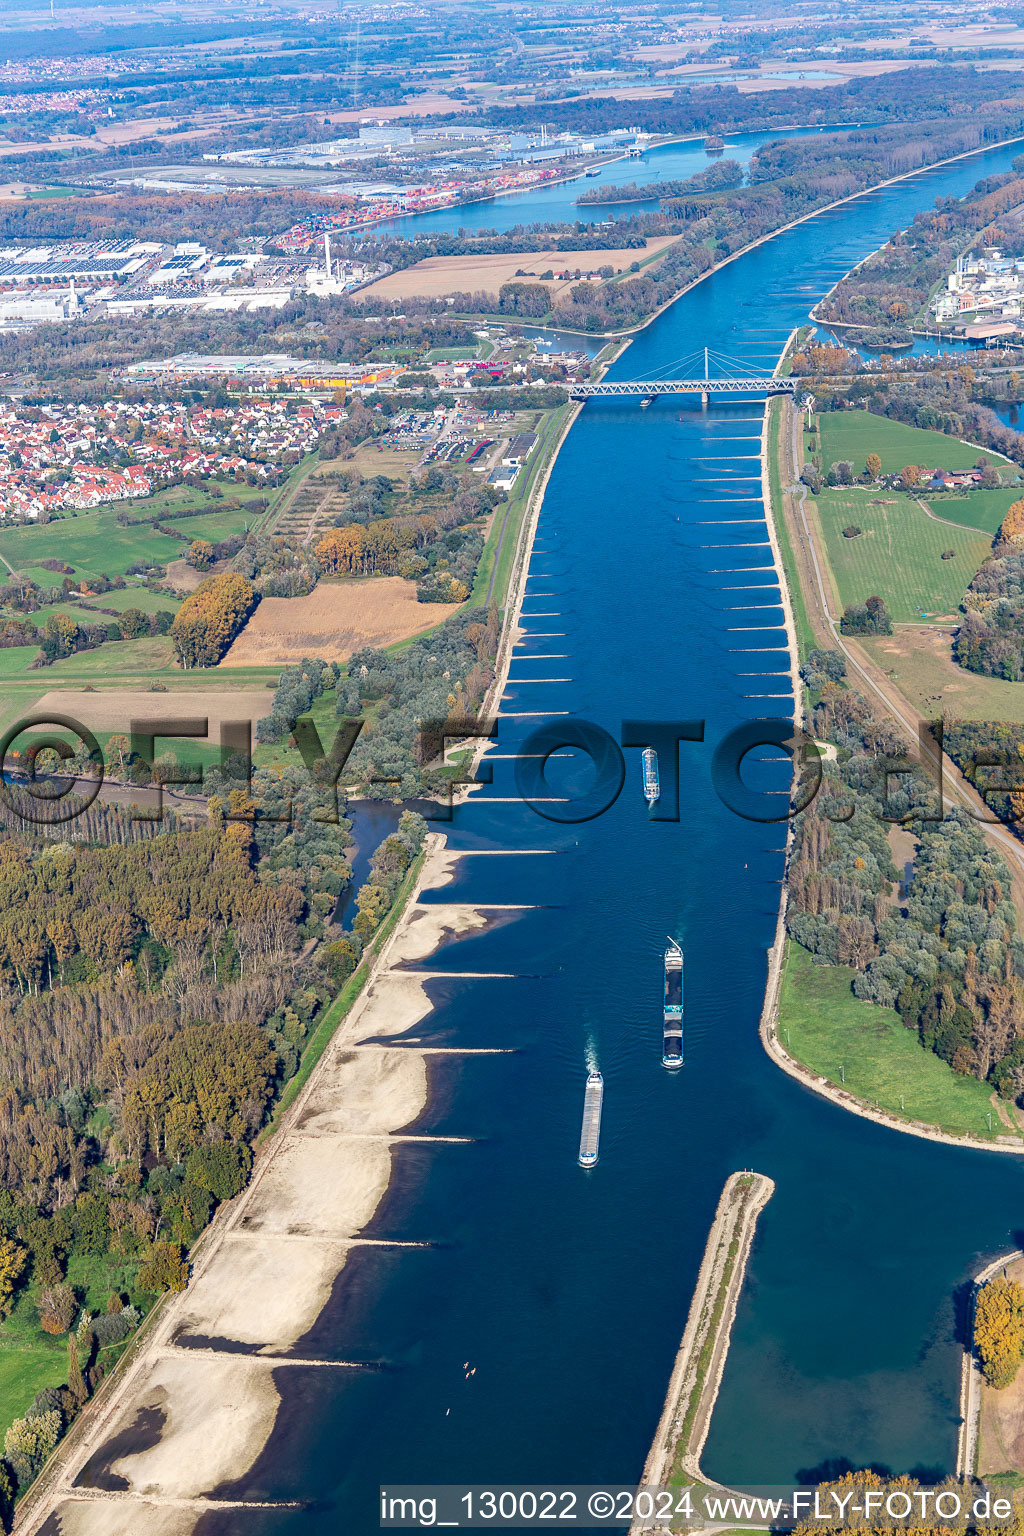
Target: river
558 202
651 593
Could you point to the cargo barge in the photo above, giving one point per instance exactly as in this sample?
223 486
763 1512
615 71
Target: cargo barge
672 1030
652 780
590 1135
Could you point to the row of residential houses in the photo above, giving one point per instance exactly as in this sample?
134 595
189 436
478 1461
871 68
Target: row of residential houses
71 457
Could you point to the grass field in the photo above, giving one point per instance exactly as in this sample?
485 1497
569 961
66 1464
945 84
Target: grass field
452 354
921 663
854 434
973 509
132 597
835 1034
29 1361
94 543
898 555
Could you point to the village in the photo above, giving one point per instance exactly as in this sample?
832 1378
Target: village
63 458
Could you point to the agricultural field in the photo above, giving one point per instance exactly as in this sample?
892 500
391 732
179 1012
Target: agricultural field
854 434
898 553
337 618
436 276
867 1050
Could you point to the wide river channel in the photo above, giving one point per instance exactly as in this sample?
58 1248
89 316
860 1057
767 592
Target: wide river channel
651 593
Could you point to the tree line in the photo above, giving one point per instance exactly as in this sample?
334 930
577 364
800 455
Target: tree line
947 955
210 618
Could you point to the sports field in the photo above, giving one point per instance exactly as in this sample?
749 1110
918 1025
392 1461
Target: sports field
854 434
868 1051
898 554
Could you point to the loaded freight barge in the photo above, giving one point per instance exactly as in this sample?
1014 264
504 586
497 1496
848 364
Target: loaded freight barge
652 780
672 1031
590 1135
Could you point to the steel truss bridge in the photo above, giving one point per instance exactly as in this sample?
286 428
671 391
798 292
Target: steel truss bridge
736 377
767 385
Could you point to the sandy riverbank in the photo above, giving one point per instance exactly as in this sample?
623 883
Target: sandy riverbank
185 1420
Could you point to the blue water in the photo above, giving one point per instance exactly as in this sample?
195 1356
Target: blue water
550 204
651 593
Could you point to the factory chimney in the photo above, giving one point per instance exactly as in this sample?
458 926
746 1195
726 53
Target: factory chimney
327 251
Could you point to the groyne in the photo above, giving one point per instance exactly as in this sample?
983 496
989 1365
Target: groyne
700 1360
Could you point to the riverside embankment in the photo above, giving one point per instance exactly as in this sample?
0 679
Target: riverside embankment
807 566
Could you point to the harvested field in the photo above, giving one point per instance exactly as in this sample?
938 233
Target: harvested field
185 578
336 619
111 709
440 275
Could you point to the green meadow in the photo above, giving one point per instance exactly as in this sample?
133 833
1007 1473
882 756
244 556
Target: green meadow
854 434
869 1052
898 553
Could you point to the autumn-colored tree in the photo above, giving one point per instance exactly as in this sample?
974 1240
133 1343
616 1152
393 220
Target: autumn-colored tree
210 618
340 959
873 466
13 1259
1011 530
200 555
165 1269
999 1330
30 1442
119 750
910 476
57 1308
340 549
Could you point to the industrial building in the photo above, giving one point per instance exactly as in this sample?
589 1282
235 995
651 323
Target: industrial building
22 309
98 260
519 449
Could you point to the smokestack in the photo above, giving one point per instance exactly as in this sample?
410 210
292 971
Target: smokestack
327 251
